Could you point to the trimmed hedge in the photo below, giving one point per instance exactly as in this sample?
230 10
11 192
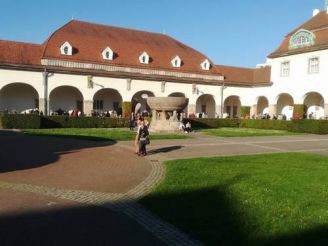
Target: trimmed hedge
245 110
212 123
82 122
309 126
126 108
30 121
259 124
266 124
299 110
20 121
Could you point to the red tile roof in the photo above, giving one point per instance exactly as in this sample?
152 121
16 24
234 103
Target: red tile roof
318 25
245 76
89 40
17 53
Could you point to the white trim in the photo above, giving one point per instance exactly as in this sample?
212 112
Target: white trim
176 61
107 68
69 49
144 58
111 54
205 65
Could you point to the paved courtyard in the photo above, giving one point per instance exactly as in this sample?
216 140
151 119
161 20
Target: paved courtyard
56 191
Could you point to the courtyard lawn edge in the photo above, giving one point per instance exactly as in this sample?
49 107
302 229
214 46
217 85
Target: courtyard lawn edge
267 199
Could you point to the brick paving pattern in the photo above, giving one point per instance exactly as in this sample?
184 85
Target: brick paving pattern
145 175
70 172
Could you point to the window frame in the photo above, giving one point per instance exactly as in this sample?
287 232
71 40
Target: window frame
282 69
317 65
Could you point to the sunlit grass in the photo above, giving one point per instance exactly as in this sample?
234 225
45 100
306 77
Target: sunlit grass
275 199
98 134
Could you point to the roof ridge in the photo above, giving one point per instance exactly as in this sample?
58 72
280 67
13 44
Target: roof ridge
306 22
117 27
20 42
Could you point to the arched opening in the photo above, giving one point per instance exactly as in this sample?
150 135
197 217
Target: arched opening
107 100
18 97
262 106
64 99
314 105
232 106
285 106
139 102
205 106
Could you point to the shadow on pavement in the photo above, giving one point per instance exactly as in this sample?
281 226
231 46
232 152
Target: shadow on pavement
164 150
19 151
83 226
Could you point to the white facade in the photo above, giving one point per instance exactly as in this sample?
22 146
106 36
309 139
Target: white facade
297 80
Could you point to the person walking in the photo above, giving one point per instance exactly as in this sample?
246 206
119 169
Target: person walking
132 121
143 138
136 140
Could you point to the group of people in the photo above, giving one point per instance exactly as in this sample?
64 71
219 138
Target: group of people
186 128
109 113
142 137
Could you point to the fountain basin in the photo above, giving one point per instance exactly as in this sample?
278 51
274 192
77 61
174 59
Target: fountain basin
167 103
165 111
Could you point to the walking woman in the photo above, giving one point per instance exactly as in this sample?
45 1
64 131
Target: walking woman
143 138
136 140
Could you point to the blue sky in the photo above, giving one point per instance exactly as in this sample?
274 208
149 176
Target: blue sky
238 33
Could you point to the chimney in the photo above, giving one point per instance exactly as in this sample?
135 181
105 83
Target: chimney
315 12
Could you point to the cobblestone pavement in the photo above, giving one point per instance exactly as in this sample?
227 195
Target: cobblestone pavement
207 146
87 193
62 177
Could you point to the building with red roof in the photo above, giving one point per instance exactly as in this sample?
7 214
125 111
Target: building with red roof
96 68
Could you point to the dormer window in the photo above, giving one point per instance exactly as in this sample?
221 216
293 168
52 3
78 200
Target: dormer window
205 65
144 58
108 54
302 38
66 49
176 61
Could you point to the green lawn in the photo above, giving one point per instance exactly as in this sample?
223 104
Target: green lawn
98 134
246 132
273 199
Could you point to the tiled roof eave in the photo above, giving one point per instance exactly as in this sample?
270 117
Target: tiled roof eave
277 54
129 70
39 68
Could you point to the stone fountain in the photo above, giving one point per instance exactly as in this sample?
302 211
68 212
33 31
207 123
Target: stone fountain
164 113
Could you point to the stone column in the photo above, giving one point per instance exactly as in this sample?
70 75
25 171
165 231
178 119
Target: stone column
218 111
45 93
326 111
191 109
253 110
272 109
42 105
87 107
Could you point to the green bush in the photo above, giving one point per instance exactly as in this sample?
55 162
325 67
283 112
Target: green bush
245 110
83 122
212 123
126 108
266 124
20 121
309 126
299 110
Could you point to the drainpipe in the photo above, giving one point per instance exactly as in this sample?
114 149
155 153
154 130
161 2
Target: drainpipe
45 91
222 106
